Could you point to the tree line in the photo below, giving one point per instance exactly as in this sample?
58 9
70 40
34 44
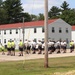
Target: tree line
11 11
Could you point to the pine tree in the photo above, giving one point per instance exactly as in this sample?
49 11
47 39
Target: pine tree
13 9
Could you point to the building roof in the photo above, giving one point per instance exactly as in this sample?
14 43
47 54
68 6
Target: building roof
73 27
26 24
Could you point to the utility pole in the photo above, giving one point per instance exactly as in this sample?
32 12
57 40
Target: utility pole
46 34
23 29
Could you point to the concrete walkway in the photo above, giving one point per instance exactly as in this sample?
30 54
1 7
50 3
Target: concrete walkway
32 56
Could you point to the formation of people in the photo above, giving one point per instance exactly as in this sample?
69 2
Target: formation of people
37 47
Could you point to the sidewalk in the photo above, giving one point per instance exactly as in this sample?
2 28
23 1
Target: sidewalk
32 56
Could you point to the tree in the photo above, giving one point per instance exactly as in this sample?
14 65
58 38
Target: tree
27 17
41 17
64 6
1 2
13 9
3 15
68 16
34 17
54 12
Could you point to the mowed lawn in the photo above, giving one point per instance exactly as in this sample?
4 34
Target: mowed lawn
36 67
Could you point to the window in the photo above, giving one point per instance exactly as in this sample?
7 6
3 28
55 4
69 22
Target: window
16 31
23 31
0 40
60 39
0 31
10 31
53 30
43 38
43 29
34 30
4 40
67 41
52 39
35 39
60 31
66 30
4 31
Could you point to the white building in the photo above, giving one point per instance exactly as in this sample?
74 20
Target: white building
57 30
73 33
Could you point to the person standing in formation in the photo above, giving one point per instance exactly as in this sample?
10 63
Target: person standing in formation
12 48
33 46
43 47
65 46
39 47
29 46
21 45
71 46
9 47
57 44
2 48
50 47
25 46
62 46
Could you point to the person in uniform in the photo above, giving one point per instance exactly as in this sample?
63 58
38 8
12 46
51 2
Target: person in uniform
65 46
12 48
50 47
53 46
26 46
58 46
43 47
2 49
39 47
71 46
21 45
62 45
33 47
9 47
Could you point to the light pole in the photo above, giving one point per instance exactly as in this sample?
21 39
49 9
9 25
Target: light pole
2 37
46 34
23 29
19 33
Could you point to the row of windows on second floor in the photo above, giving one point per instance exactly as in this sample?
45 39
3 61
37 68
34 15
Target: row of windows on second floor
17 31
34 30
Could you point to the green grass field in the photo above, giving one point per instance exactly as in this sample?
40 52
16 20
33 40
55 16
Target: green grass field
36 67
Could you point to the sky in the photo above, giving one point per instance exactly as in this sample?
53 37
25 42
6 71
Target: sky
37 6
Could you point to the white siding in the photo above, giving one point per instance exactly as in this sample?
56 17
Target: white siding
73 35
56 35
29 33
